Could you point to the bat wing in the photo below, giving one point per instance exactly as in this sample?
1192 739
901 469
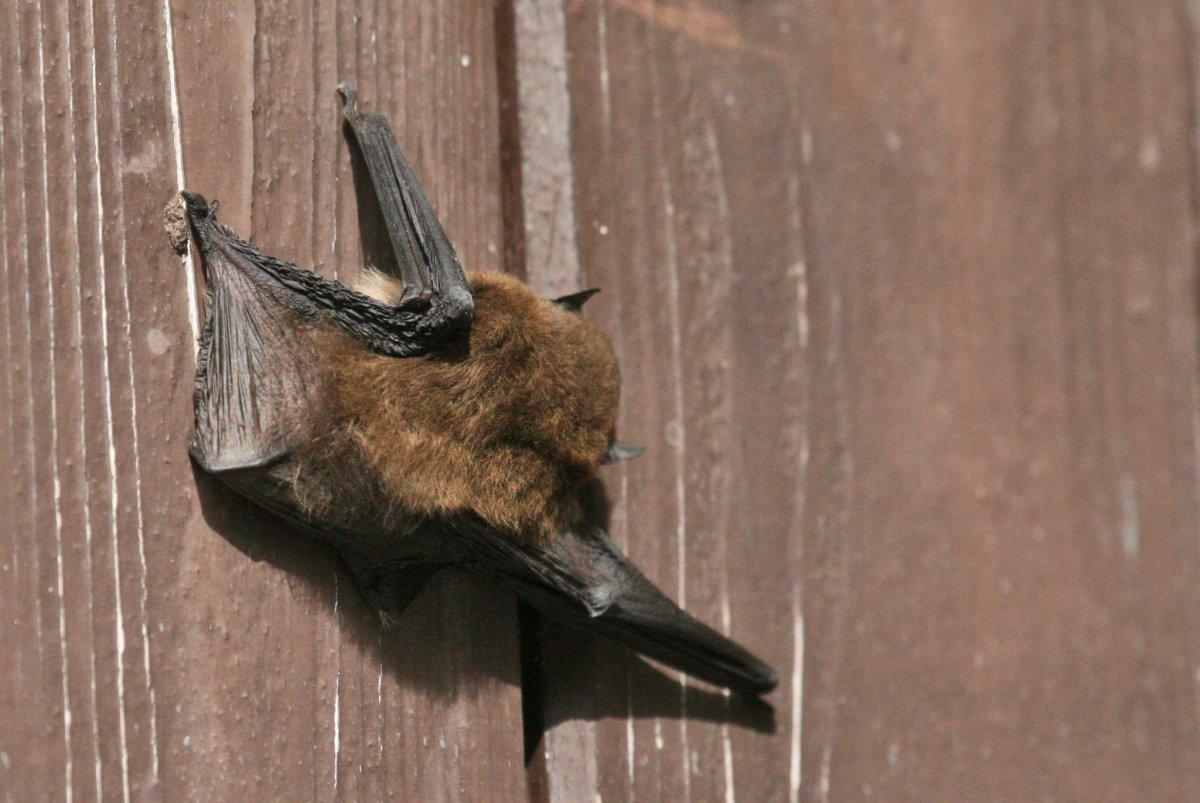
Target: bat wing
585 580
255 375
434 281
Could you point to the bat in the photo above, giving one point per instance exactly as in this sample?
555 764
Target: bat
428 420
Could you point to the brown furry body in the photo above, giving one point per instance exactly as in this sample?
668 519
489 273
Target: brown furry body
505 425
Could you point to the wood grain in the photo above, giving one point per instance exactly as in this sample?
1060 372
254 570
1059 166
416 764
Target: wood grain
169 642
1002 599
887 283
682 218
431 709
904 296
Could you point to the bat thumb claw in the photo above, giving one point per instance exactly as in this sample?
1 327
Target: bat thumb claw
175 221
349 97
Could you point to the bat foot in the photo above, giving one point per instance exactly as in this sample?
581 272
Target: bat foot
618 451
386 620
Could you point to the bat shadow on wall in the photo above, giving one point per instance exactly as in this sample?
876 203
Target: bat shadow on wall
426 648
456 633
570 675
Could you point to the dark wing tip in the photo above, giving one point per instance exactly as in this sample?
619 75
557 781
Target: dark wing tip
437 303
583 579
761 678
770 679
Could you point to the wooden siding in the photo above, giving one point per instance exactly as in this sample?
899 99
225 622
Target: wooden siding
905 299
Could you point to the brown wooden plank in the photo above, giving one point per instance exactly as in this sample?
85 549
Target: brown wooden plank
54 678
431 710
74 382
910 214
83 310
999 595
11 661
31 773
681 217
540 245
903 296
9 551
433 74
169 663
117 122
151 351
81 416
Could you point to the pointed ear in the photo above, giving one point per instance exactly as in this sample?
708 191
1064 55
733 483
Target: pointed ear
618 451
574 301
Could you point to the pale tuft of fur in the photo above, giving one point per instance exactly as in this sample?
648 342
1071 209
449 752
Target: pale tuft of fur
379 286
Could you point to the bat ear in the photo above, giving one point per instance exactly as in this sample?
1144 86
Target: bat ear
574 302
618 451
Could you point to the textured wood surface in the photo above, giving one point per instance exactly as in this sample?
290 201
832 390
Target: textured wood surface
905 299
685 162
904 296
165 641
1001 598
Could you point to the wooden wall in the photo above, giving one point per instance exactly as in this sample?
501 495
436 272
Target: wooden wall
905 297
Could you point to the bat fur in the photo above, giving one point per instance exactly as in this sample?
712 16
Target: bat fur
507 423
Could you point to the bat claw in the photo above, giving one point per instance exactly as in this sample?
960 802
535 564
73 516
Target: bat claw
349 97
417 302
